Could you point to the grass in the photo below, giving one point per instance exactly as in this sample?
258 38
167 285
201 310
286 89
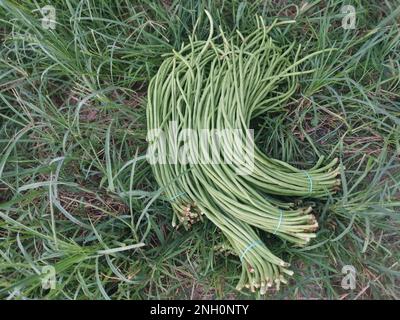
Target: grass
77 194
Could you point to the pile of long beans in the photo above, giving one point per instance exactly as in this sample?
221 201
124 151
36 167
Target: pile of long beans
222 83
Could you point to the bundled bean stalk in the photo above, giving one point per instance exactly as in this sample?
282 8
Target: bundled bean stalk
221 84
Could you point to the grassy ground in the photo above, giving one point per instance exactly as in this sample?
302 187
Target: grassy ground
76 193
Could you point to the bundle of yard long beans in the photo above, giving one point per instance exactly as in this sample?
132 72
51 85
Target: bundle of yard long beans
219 84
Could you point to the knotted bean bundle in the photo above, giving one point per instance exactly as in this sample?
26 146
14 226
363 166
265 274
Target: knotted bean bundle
221 84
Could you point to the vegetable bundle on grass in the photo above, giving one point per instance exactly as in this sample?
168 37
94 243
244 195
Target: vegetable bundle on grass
222 84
